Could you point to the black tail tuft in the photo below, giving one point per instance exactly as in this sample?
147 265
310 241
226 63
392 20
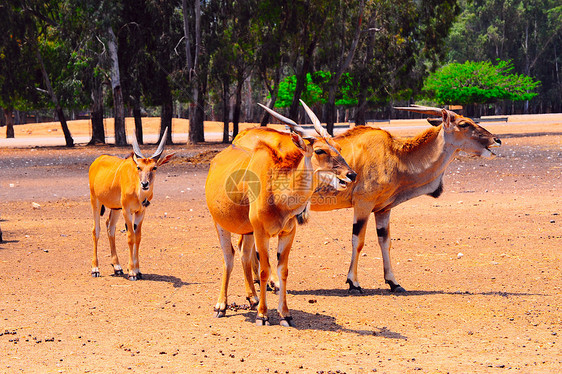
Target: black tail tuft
102 210
304 216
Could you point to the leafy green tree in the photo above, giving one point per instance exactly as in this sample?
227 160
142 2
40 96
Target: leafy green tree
19 71
479 83
32 26
315 90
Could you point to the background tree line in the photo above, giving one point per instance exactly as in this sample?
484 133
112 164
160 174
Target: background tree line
214 59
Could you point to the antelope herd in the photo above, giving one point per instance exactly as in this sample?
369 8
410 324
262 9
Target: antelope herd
267 180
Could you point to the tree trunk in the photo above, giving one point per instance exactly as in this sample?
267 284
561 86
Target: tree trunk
138 121
238 103
266 116
9 123
118 103
273 92
166 119
225 109
67 136
301 82
197 110
197 80
200 113
360 119
186 32
98 131
331 110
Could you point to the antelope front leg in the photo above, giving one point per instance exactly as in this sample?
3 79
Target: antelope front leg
248 258
111 223
285 243
131 240
137 227
262 245
383 233
228 257
360 220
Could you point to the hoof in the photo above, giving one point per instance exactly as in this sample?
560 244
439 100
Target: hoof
139 275
262 321
353 287
219 313
395 288
253 304
95 274
287 322
118 273
134 277
273 289
398 289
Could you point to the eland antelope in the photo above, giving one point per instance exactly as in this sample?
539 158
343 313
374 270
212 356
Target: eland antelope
258 191
124 185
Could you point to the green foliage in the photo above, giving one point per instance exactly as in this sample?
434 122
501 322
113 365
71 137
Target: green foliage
315 91
479 83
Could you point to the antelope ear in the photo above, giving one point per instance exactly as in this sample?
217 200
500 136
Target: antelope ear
434 121
298 140
135 158
446 119
165 160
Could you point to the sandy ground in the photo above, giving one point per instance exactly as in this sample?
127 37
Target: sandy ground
495 308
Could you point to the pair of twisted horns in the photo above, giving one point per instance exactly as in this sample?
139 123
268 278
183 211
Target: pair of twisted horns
296 128
156 154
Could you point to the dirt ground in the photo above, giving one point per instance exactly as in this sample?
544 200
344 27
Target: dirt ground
482 266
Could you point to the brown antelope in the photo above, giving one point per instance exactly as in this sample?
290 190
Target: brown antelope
126 185
258 191
391 170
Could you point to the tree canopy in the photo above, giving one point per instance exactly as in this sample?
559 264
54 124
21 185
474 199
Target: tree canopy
479 83
346 57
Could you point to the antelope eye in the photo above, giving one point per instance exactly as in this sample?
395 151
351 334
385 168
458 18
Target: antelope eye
138 168
463 125
320 152
154 168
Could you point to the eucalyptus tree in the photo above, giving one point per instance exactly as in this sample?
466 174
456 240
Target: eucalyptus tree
403 43
338 47
93 24
219 46
18 66
31 30
527 32
161 25
88 62
231 46
196 68
270 27
307 19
